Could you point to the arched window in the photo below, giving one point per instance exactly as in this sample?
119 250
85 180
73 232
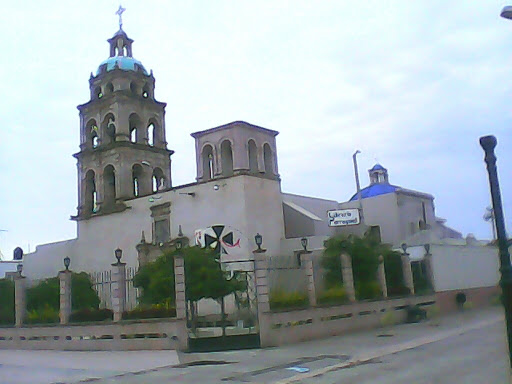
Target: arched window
253 157
135 124
108 129
226 155
90 203
97 92
109 88
208 168
145 91
136 179
267 159
158 180
109 185
151 134
91 132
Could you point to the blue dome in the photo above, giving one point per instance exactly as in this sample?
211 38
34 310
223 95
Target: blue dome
124 63
375 190
378 167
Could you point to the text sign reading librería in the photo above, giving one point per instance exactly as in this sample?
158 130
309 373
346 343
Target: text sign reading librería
342 217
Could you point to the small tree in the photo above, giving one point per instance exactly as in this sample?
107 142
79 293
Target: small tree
44 298
204 278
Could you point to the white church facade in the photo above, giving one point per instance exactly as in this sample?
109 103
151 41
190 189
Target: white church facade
126 198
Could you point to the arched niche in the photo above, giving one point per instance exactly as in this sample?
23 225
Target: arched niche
226 157
109 185
208 163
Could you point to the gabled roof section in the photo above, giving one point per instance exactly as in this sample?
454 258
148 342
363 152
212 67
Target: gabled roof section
302 210
233 124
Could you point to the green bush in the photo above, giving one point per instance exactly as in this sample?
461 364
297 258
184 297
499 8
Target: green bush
155 312
335 295
288 300
44 315
368 290
88 314
6 302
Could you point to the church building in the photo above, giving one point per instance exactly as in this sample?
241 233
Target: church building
126 198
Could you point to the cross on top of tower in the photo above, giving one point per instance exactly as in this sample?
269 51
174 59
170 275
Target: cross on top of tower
120 13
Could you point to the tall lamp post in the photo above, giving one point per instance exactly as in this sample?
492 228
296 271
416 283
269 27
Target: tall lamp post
488 143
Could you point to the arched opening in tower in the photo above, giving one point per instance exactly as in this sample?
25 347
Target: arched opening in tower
109 183
90 203
208 167
267 159
226 154
253 157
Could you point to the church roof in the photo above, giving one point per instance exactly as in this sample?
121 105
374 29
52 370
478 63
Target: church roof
124 63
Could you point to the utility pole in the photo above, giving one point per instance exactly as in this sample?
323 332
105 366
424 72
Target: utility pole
358 186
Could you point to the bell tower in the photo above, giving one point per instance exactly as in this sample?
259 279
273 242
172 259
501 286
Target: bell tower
123 150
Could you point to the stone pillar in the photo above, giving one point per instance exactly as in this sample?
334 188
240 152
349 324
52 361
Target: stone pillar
118 290
262 297
307 265
430 269
65 296
381 276
181 301
19 299
348 277
407 271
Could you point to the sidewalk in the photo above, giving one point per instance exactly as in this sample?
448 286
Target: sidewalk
268 365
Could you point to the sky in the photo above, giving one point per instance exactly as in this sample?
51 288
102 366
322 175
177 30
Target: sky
412 85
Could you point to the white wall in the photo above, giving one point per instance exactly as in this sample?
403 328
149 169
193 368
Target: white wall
7 266
464 266
246 203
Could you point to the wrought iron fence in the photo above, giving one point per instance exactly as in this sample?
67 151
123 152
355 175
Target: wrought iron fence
102 284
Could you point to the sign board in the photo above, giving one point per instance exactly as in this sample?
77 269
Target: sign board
343 217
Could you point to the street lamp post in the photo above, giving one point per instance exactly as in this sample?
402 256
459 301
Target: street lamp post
488 143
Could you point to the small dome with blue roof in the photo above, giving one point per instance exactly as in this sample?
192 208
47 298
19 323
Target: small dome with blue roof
379 183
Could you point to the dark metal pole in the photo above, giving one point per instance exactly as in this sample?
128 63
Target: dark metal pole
488 143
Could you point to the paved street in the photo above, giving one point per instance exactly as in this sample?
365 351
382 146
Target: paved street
465 348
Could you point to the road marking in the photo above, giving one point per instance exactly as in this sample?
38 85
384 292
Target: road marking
389 350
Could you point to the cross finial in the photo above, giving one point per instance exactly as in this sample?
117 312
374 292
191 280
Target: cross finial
120 13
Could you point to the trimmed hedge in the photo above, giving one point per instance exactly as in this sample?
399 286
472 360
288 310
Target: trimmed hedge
334 295
288 300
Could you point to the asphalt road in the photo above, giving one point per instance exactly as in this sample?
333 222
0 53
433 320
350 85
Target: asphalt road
478 357
465 348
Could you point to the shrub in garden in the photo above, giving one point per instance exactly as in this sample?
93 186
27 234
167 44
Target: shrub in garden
288 300
43 299
368 290
334 295
43 315
6 302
